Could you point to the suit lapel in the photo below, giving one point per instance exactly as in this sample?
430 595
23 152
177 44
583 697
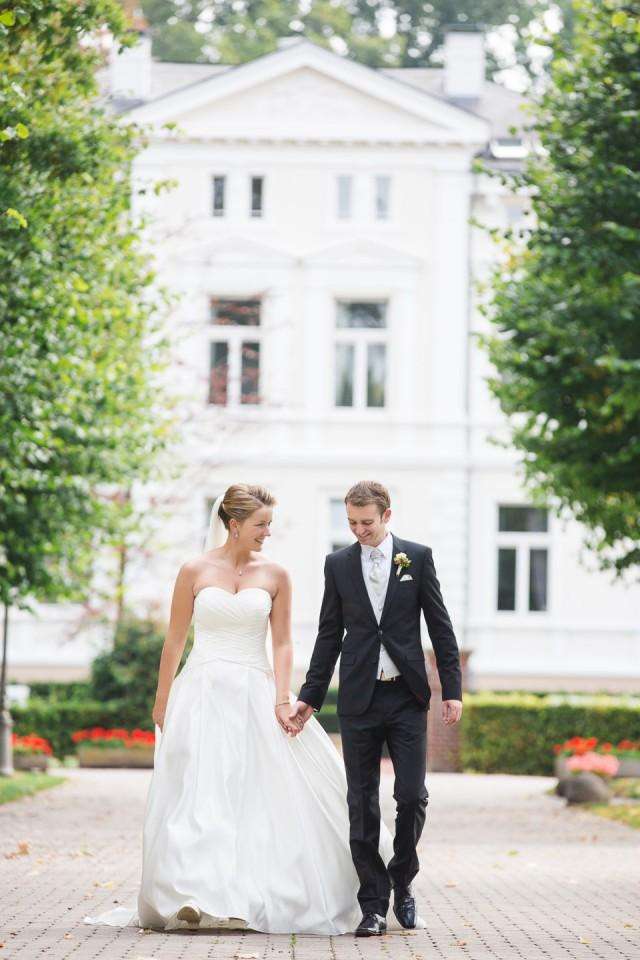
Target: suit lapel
394 580
355 568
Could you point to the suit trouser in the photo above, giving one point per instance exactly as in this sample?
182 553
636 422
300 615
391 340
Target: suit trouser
393 715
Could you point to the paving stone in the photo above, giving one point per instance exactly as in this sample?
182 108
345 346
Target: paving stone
508 872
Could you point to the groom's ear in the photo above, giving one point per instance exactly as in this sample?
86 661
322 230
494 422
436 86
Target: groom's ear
386 516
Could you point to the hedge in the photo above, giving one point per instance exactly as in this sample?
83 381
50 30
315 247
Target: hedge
515 732
57 719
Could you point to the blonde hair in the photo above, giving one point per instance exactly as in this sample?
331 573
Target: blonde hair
368 491
241 500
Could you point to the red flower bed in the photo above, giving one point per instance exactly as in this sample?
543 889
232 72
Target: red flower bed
112 739
31 743
579 746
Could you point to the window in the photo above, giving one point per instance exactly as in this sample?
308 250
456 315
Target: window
523 559
360 353
218 196
344 197
339 533
234 359
257 196
382 197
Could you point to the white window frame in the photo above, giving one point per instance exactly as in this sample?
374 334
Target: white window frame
361 338
522 543
234 336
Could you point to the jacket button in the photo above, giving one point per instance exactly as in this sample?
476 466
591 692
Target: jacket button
379 633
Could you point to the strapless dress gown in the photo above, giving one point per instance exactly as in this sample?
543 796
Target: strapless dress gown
242 822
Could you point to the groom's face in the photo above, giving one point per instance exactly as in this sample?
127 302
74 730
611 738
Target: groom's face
367 524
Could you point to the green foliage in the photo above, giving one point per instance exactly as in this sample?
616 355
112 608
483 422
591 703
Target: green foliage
235 32
81 341
59 690
566 303
128 672
516 733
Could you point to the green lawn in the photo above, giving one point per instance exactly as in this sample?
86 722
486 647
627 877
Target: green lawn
25 785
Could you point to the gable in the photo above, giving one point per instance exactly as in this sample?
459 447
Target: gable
306 93
306 104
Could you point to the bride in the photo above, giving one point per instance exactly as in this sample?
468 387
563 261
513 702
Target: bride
246 822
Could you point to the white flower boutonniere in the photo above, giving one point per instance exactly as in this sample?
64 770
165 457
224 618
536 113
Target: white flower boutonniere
401 561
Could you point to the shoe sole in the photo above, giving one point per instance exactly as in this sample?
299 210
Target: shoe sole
365 933
189 915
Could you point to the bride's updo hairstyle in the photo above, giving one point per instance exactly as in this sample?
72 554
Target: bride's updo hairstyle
241 500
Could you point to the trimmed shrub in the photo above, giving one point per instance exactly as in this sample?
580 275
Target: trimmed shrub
516 732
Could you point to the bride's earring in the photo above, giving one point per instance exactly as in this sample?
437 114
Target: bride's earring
236 535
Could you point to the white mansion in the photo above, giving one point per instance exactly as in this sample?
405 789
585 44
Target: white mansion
319 240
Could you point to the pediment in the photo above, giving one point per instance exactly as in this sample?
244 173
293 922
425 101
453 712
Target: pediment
306 93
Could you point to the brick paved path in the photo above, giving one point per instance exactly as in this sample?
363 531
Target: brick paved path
507 872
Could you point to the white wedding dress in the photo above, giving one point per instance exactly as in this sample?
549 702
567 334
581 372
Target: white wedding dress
242 822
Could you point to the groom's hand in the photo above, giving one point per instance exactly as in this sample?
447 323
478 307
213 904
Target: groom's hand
300 711
451 711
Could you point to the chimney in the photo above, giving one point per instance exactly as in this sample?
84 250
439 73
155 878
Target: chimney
464 62
130 70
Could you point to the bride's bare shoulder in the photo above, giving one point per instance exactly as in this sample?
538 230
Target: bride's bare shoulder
279 573
195 565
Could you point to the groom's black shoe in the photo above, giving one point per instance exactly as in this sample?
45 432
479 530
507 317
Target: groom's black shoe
404 907
371 925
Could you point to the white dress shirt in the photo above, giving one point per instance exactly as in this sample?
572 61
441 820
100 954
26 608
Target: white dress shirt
377 593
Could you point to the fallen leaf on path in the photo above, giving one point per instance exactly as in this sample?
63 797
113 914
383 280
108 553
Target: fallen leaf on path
452 883
513 853
460 943
68 936
629 925
246 956
105 885
580 940
22 851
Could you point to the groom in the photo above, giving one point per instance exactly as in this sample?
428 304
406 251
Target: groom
370 616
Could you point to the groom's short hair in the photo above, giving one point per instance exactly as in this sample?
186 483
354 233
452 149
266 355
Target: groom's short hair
368 491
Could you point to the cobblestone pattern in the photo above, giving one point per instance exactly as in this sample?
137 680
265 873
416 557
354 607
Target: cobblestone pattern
508 872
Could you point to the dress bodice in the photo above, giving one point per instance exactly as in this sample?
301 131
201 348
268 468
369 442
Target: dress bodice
231 626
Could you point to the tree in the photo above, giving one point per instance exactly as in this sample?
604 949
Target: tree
378 33
566 303
81 340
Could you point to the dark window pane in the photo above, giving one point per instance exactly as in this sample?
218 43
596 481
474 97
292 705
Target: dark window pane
257 184
376 364
218 372
522 520
344 374
353 313
235 313
506 579
250 386
537 580
383 193
218 196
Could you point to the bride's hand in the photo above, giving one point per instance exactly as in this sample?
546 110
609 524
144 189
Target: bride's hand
291 728
157 714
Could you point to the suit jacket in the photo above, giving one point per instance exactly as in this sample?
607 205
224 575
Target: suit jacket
348 626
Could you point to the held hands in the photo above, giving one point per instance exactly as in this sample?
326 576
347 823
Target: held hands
290 724
451 711
300 713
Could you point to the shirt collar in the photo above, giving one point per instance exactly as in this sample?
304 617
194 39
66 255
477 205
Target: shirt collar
386 547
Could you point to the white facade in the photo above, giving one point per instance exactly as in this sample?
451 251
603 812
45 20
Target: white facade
365 196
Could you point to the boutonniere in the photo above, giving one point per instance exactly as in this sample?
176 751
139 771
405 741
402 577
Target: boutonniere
401 561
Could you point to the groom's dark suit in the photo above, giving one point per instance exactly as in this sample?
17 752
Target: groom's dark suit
374 711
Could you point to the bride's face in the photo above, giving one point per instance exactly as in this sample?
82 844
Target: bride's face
253 531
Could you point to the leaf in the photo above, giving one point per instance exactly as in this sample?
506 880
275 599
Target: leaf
619 19
21 131
105 886
7 18
10 212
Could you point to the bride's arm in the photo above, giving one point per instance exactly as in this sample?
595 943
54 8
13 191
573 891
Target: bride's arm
282 649
181 613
